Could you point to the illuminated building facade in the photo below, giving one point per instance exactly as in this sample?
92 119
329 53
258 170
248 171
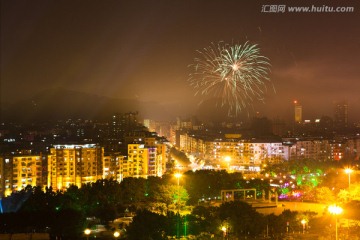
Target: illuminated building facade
161 159
6 176
324 149
74 165
78 164
144 159
157 156
232 150
319 149
252 153
337 150
112 167
136 164
17 172
190 143
223 152
27 170
265 152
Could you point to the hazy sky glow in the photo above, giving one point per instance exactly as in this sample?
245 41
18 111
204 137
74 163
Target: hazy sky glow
142 49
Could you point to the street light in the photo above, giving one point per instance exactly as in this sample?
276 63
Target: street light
335 210
87 233
348 171
303 222
224 230
228 160
116 234
178 176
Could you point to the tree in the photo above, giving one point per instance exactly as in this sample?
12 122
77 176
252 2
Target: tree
172 196
324 195
36 200
206 218
73 199
133 190
147 225
242 218
152 186
344 196
287 221
67 224
355 192
209 183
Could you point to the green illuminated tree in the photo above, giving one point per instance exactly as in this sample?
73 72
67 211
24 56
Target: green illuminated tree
172 196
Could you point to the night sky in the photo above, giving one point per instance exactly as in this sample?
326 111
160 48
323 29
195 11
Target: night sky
142 49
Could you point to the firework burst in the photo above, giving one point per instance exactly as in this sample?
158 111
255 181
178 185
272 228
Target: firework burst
237 75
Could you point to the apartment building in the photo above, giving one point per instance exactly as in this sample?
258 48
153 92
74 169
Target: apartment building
19 171
144 159
74 164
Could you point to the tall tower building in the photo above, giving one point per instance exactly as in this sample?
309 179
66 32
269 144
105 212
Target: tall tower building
298 112
120 123
341 114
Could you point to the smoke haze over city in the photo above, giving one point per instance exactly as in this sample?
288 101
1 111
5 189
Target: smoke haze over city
140 51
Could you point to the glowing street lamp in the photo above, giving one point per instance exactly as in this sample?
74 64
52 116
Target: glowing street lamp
227 160
303 222
224 230
87 233
116 234
348 171
335 210
178 176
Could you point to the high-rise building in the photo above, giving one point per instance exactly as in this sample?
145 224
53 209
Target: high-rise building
74 165
17 172
145 158
279 127
112 166
298 112
136 164
341 114
150 124
6 178
121 123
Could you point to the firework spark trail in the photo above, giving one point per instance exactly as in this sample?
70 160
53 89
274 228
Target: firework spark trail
237 75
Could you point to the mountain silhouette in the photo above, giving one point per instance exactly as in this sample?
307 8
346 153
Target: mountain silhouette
56 104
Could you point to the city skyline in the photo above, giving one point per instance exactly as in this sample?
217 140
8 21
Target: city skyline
141 51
